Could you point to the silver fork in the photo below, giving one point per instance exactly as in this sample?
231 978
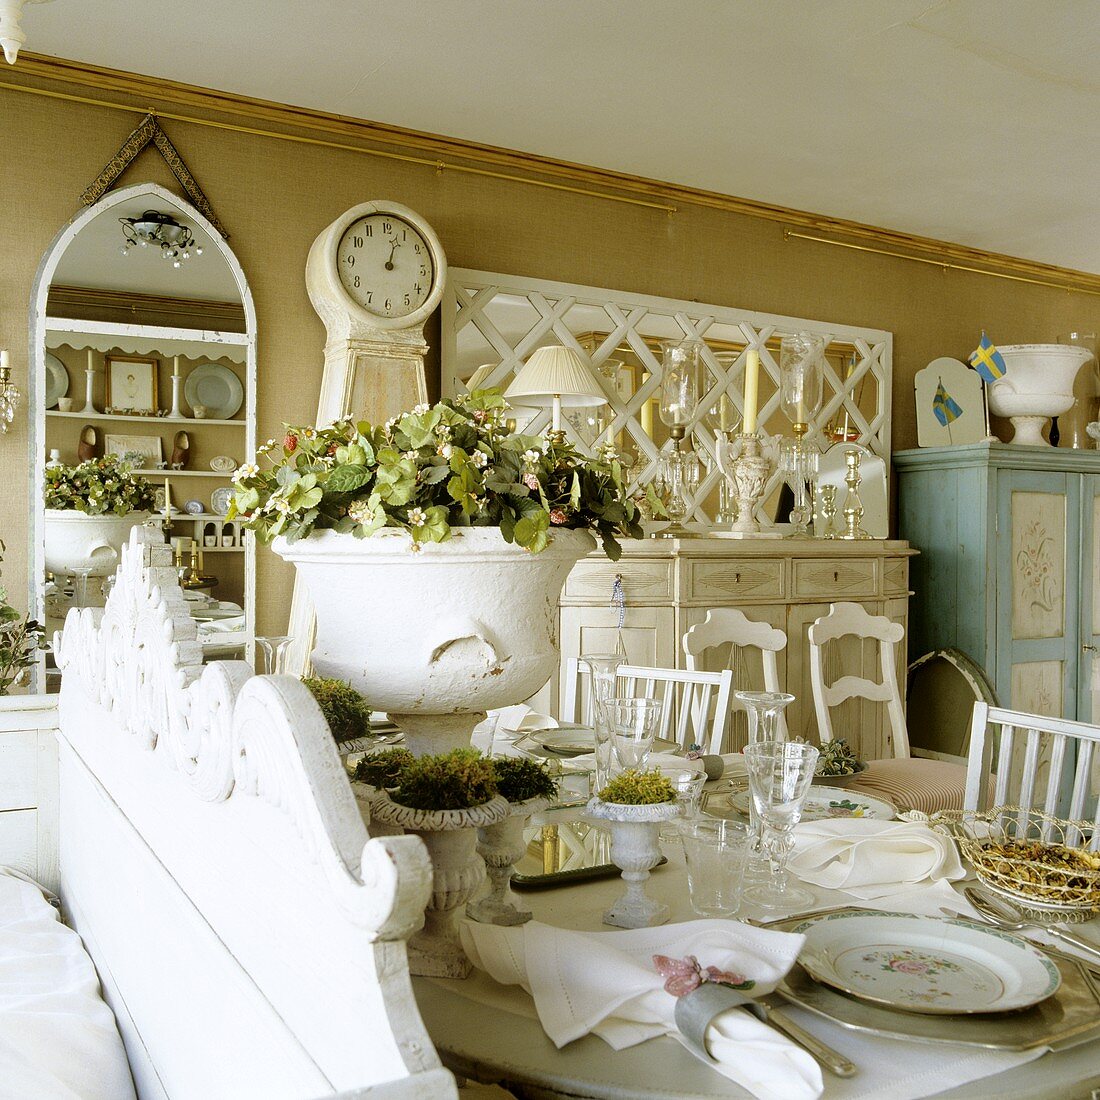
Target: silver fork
1010 919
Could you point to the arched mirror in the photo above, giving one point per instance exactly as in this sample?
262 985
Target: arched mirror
143 339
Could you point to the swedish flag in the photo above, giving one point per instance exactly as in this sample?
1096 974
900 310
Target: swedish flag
944 407
988 361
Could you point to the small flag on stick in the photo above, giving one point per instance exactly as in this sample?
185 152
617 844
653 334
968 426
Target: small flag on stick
988 361
944 407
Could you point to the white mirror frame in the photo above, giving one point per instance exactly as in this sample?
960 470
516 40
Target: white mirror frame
468 299
38 324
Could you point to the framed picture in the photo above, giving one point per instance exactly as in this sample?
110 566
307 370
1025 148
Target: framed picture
143 451
131 383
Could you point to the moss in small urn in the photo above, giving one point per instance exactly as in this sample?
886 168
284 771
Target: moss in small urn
634 788
456 780
345 710
383 769
520 780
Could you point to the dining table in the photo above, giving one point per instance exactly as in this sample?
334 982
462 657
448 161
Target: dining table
491 1033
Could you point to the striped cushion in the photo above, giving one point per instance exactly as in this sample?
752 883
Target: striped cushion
912 784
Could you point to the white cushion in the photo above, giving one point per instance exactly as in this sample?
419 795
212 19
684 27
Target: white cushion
58 1039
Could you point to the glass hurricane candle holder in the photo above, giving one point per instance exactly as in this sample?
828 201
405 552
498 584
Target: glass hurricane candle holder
679 401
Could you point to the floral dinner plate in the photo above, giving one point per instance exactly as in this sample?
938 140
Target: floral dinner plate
823 803
926 964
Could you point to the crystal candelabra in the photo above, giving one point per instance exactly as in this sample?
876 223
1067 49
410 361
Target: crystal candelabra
853 505
10 396
801 374
798 460
679 399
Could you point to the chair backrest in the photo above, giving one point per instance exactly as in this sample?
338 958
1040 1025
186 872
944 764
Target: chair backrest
729 626
846 620
696 703
1028 746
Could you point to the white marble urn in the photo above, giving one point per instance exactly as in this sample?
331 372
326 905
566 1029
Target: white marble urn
1038 384
636 850
501 846
84 545
457 871
436 636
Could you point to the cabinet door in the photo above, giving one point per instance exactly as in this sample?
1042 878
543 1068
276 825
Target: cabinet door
649 635
1035 585
1088 629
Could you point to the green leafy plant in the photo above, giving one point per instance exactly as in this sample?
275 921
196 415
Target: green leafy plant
519 779
345 710
455 780
836 758
98 487
634 788
383 769
430 471
20 640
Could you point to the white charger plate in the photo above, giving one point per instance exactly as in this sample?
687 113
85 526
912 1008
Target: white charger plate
824 803
928 965
217 388
57 380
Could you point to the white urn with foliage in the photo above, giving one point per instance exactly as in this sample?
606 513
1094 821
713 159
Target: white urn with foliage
90 510
434 548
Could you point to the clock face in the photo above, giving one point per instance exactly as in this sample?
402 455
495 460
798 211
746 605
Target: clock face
385 265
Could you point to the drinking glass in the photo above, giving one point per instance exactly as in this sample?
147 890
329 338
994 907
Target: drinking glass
780 775
634 725
276 650
714 852
603 667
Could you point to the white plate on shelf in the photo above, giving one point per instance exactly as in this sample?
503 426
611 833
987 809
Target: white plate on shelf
216 387
57 380
220 500
926 964
823 803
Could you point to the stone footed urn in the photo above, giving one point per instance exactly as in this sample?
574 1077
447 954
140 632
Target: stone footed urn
636 849
457 871
87 545
1038 384
435 637
501 846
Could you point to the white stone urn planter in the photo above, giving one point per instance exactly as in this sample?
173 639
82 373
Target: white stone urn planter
501 846
1038 384
636 850
437 636
457 871
85 545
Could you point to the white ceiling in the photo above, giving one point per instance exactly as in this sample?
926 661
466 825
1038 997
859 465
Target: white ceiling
975 121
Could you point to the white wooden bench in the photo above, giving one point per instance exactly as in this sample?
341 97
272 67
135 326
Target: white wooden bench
248 933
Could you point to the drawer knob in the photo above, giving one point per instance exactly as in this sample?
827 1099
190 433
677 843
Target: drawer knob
836 576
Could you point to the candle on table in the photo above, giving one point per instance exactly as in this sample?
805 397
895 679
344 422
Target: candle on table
752 388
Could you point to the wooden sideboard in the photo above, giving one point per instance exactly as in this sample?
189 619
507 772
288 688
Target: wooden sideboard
669 586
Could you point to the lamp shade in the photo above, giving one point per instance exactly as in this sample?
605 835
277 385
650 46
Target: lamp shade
555 372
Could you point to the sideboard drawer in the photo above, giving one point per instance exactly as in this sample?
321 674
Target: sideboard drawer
895 575
748 578
835 578
642 580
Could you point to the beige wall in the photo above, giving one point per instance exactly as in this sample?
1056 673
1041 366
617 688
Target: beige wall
274 197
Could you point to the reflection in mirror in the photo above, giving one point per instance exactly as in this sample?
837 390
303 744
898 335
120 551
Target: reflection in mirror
492 323
145 349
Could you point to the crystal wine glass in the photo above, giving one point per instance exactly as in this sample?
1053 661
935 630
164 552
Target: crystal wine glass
634 724
276 650
780 775
603 667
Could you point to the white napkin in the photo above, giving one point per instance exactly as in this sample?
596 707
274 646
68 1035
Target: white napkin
870 858
606 983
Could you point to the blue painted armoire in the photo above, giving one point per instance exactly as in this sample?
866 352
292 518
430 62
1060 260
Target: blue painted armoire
1008 566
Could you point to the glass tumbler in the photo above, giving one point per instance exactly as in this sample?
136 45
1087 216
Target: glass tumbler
714 852
603 667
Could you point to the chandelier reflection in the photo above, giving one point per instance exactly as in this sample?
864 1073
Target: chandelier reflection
176 241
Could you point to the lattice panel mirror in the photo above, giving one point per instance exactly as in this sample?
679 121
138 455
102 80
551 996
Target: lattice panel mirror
492 324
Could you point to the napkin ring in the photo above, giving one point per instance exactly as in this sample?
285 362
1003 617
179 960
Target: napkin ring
697 1010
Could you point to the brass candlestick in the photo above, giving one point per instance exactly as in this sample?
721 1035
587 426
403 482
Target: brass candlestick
853 505
827 496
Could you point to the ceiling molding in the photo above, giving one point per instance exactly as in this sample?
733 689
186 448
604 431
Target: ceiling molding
148 90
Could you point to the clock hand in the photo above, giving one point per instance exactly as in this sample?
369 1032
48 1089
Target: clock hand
394 244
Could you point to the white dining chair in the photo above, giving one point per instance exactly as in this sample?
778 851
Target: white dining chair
729 626
1026 760
910 783
696 704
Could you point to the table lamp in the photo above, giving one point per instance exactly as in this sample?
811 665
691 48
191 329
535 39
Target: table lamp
555 376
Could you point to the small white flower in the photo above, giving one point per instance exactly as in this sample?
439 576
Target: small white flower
531 457
390 423
421 409
309 433
410 455
361 512
443 431
417 517
282 506
480 459
249 469
446 450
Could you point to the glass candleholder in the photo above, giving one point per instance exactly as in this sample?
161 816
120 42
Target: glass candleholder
678 403
853 504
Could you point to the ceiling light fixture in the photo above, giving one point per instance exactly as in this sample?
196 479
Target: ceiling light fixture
175 240
11 33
